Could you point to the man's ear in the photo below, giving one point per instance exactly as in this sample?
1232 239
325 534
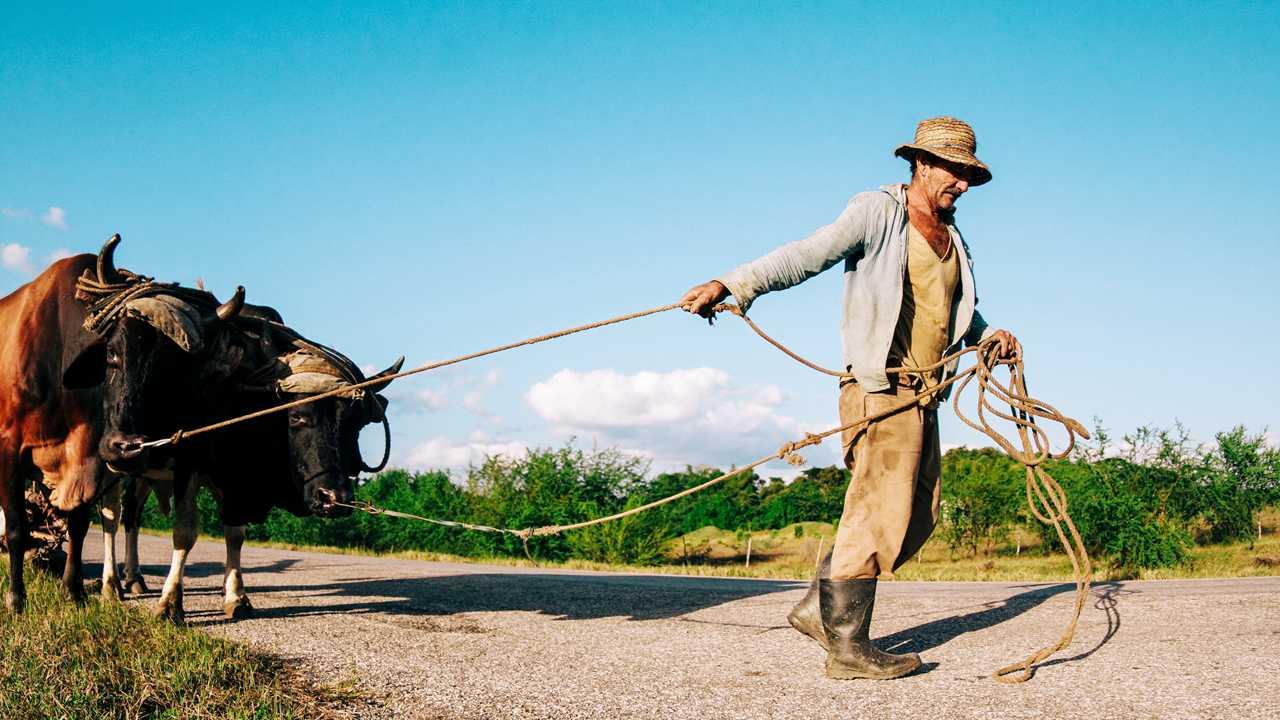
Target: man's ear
87 368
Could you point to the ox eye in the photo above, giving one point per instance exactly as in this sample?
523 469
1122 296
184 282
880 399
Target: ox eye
113 359
299 421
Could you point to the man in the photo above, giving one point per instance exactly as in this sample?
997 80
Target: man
909 300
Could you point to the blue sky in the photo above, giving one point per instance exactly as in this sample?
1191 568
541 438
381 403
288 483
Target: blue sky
432 179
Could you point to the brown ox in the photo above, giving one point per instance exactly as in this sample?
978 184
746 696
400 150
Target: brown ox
45 429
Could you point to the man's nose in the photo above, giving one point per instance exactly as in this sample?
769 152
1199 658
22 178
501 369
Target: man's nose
962 185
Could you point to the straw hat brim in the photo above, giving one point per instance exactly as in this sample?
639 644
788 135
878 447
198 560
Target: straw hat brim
981 175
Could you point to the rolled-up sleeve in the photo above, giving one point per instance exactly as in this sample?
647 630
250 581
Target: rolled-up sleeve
798 261
978 329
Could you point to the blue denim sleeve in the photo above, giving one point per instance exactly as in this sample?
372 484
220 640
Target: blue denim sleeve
800 260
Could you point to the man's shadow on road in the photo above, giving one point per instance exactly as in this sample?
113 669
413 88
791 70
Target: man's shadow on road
931 634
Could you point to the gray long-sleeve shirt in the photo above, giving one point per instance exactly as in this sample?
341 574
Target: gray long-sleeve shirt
870 236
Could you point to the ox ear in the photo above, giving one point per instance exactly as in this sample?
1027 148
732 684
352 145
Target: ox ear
84 363
395 368
380 407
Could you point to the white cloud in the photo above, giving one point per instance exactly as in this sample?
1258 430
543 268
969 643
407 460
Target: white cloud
16 257
443 453
474 401
605 398
54 217
684 417
475 390
60 254
15 213
432 400
447 390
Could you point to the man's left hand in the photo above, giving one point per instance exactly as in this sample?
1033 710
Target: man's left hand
1007 346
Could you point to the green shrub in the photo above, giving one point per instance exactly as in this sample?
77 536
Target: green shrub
1139 504
1242 477
982 497
1121 513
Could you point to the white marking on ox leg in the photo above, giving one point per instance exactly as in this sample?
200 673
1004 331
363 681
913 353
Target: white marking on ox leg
171 596
186 524
235 603
110 523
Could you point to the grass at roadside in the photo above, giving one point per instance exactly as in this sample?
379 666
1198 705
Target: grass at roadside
789 553
107 660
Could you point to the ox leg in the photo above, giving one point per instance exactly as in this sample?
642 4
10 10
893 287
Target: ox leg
186 524
12 502
235 603
110 512
72 572
135 497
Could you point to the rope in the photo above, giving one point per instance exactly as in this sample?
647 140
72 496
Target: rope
346 389
108 301
1046 498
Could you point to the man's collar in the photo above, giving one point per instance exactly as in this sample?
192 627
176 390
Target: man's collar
897 191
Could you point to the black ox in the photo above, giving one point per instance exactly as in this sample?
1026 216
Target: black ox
169 358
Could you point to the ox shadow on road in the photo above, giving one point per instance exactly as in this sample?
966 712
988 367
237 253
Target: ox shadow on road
563 596
428 602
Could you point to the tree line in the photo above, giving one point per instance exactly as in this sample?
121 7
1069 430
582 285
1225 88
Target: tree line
1141 502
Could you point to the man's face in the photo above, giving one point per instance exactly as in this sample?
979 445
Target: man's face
943 181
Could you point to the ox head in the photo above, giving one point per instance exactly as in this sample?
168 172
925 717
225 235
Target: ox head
178 360
161 365
325 434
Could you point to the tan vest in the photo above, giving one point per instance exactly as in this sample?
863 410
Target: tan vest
924 324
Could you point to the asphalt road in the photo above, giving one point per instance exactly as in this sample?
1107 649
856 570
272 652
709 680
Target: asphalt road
439 640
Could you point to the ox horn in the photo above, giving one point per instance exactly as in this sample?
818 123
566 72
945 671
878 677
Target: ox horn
395 368
107 273
232 307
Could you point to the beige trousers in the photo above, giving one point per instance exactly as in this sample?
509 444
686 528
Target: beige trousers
892 502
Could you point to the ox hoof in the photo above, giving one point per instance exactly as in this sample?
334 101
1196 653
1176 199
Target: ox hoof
240 609
170 608
14 601
75 591
137 587
112 591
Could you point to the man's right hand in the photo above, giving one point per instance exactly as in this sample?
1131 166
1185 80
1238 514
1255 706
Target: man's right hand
702 298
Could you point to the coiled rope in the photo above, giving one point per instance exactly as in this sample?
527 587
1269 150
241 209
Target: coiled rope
1046 498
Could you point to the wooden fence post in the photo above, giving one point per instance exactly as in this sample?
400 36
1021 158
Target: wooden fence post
817 559
748 551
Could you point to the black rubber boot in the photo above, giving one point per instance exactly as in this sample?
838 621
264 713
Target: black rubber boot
806 616
846 617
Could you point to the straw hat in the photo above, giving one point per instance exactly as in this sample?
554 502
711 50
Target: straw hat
949 139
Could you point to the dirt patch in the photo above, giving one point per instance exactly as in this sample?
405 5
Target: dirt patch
412 618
